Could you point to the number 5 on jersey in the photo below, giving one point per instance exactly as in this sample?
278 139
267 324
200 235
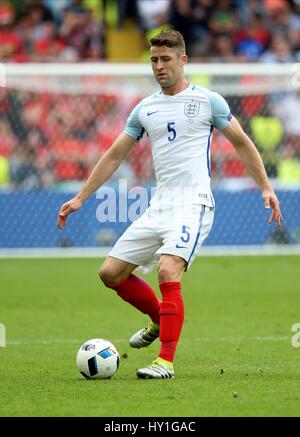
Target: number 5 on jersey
172 131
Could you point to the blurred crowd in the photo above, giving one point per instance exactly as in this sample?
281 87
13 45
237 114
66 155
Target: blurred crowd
214 30
49 139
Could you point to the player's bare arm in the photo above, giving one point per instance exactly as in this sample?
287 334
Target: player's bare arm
103 170
250 157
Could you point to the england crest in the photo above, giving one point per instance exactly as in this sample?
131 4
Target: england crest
191 109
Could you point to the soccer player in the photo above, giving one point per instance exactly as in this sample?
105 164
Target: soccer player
179 120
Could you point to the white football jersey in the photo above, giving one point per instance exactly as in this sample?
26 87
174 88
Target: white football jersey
179 128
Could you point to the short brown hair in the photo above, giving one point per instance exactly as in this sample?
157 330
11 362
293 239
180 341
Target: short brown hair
169 38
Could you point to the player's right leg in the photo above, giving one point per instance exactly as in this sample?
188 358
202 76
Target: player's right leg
135 247
113 271
117 275
146 336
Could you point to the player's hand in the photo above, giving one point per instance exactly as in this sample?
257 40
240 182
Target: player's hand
66 208
271 201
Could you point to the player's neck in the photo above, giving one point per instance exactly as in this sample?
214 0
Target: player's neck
176 88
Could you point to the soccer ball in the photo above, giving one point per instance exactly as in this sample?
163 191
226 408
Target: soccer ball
97 359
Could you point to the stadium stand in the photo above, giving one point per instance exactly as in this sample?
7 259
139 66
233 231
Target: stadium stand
91 30
52 139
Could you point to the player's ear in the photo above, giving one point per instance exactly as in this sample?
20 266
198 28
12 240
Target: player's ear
184 58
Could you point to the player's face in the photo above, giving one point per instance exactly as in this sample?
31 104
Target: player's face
167 65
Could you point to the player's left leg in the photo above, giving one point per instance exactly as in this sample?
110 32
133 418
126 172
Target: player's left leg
170 270
182 239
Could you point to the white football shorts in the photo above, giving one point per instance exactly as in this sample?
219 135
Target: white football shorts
176 231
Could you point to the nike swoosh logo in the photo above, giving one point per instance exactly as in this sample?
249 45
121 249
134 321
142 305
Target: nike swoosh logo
150 113
180 247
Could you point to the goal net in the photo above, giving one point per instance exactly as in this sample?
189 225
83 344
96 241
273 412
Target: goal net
56 120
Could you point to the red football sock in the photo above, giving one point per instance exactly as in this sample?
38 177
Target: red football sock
138 293
171 319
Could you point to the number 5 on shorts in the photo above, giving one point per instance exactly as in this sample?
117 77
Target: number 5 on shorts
185 238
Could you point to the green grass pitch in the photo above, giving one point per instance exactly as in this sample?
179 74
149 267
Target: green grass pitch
235 357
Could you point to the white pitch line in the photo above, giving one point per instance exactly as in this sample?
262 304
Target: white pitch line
122 340
77 252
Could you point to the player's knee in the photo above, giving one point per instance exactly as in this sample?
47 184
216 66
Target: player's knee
108 277
165 274
170 269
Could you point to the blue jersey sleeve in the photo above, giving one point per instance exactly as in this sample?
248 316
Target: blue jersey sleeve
221 115
133 126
